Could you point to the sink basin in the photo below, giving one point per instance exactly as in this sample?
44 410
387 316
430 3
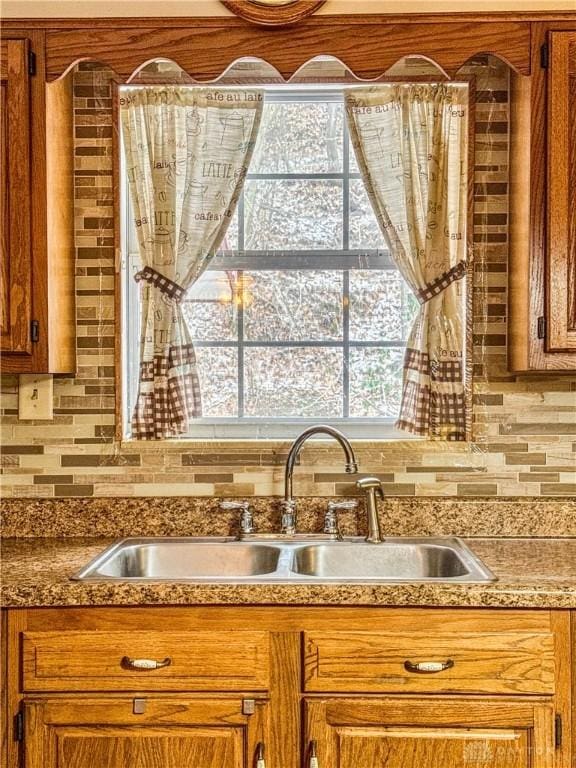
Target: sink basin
390 560
178 559
293 561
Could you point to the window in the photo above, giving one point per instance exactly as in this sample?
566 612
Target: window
302 317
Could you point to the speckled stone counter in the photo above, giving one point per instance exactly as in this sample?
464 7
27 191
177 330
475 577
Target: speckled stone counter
201 516
532 573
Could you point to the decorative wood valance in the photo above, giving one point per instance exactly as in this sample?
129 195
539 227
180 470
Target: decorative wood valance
206 48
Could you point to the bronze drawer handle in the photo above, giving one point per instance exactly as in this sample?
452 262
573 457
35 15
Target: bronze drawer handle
144 664
428 667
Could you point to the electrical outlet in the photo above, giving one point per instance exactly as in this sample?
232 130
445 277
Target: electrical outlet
35 396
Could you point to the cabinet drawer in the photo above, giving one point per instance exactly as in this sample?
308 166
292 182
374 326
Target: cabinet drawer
498 662
99 661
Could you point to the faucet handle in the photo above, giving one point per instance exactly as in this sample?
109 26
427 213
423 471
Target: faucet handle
246 516
370 483
335 505
244 505
331 516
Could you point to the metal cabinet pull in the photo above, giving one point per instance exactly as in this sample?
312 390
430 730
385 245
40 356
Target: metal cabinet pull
428 667
260 761
313 761
144 664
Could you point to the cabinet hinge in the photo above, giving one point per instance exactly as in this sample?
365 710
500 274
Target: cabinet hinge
558 731
31 63
542 327
544 56
35 330
19 727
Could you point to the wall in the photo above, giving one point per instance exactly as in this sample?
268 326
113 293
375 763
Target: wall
102 8
525 428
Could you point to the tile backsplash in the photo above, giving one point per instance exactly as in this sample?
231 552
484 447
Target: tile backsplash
524 427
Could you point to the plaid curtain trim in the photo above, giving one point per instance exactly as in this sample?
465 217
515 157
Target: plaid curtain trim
163 283
449 371
440 284
439 415
170 395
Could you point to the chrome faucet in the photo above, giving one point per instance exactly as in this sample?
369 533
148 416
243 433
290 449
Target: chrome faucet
288 505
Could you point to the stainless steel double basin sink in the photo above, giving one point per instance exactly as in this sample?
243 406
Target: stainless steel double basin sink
292 561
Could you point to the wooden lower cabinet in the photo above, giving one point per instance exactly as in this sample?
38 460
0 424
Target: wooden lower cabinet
147 732
216 686
429 733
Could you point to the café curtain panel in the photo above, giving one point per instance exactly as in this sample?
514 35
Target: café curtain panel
411 145
187 153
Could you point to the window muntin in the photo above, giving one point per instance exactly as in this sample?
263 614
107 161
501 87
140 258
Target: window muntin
302 317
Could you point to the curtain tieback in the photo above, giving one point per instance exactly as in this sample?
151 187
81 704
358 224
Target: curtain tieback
442 282
163 283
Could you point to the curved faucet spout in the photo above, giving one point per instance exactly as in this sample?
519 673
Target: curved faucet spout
289 506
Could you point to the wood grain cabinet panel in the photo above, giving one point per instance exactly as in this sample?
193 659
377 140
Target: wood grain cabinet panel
429 733
542 255
561 294
96 661
15 194
498 662
330 675
170 732
37 301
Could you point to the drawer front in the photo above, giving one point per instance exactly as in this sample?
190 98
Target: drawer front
471 662
105 661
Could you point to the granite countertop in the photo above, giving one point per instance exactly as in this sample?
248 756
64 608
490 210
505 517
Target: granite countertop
532 573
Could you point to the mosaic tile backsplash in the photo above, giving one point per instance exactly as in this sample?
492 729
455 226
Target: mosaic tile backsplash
524 427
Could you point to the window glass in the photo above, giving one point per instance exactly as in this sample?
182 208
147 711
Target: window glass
293 214
300 137
293 305
302 316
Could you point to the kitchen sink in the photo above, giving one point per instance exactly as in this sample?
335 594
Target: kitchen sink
387 561
182 559
297 560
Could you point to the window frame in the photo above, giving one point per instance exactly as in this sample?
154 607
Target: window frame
252 429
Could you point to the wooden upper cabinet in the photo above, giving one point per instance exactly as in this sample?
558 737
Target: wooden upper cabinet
144 731
15 170
542 258
429 733
561 283
37 323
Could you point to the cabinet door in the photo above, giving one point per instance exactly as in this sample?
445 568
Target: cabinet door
147 732
15 191
562 192
429 733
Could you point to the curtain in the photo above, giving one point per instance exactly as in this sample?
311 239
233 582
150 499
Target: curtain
187 152
411 145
